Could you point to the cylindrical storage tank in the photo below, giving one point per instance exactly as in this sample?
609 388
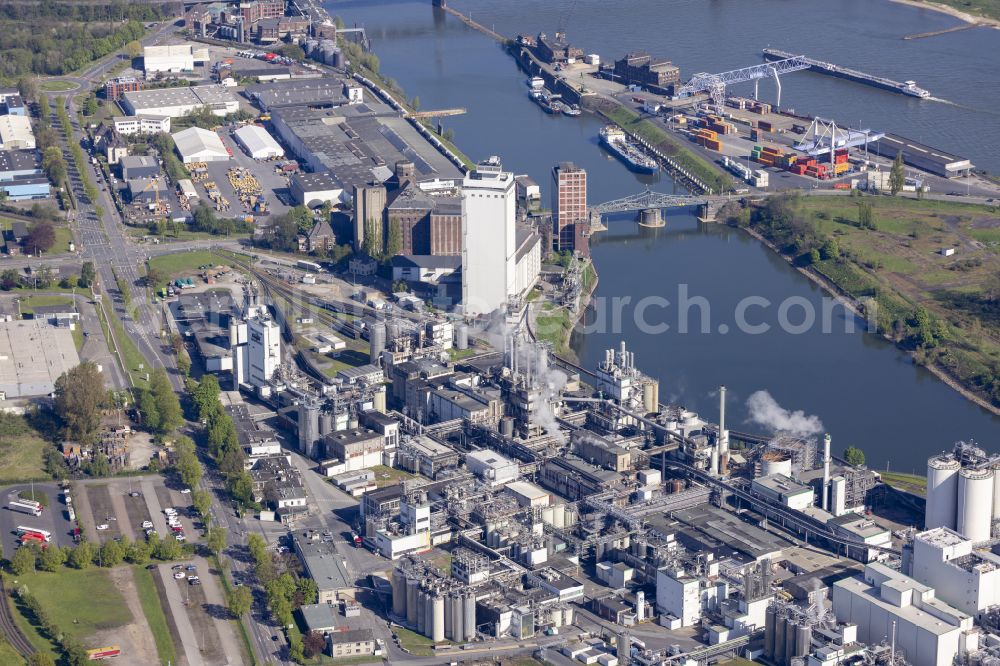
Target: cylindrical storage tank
790 628
378 400
769 633
942 492
398 593
421 612
507 426
975 503
462 336
548 515
437 619
447 617
411 601
568 615
773 462
556 617
428 614
803 640
779 639
325 423
469 621
559 516
651 397
457 619
352 424
996 490
376 341
623 647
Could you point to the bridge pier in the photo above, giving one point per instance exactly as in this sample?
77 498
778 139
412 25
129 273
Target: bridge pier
708 211
651 218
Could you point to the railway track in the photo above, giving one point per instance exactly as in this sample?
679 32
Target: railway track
10 630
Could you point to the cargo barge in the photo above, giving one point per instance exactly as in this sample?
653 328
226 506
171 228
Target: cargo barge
618 142
907 88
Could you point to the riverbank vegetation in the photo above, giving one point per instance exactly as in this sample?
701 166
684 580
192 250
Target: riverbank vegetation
889 256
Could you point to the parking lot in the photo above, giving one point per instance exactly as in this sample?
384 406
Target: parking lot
54 517
123 505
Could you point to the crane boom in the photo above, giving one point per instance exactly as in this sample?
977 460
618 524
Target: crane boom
716 84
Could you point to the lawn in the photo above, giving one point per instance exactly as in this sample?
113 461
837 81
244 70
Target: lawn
8 655
153 611
29 303
987 8
348 358
56 86
130 354
388 476
911 483
554 327
34 496
21 457
414 643
80 602
172 265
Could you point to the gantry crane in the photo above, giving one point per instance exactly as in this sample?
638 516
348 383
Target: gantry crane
716 84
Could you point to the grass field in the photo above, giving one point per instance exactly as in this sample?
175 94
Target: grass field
80 602
900 263
388 476
130 354
414 643
347 358
39 642
56 86
35 496
153 611
554 327
172 265
987 8
911 483
8 655
29 303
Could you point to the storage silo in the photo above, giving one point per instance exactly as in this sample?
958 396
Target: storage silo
378 399
457 618
790 630
411 601
651 396
769 621
447 617
421 611
325 423
995 466
437 619
376 341
568 615
462 336
559 516
975 503
803 640
775 462
779 638
398 593
469 621
942 492
308 426
428 614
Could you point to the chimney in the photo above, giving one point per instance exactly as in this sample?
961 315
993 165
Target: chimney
826 472
723 443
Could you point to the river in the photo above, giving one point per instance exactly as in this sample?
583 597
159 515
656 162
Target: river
853 385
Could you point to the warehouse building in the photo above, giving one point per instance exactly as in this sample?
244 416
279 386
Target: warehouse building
199 145
33 355
257 143
139 166
322 92
14 163
324 565
925 158
16 134
25 188
175 102
147 190
315 189
172 58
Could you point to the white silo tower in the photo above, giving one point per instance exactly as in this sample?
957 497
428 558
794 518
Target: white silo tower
975 503
942 492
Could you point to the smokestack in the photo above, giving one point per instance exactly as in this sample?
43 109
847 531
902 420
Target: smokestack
723 443
826 472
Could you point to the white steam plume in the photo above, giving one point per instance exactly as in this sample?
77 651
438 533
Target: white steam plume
765 411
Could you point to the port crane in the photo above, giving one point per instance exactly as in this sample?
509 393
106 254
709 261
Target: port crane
825 137
715 84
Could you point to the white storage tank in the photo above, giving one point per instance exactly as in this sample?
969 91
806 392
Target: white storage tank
775 462
437 622
942 492
975 503
996 488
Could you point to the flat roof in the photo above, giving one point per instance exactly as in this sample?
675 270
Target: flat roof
327 91
319 616
526 489
323 563
256 138
33 355
934 624
18 160
490 458
922 152
212 95
319 181
725 528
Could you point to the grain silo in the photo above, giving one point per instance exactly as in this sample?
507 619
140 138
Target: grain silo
942 491
975 503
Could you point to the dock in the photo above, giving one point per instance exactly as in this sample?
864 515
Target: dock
443 6
908 88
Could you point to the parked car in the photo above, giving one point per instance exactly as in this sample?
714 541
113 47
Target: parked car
179 575
102 527
186 491
147 524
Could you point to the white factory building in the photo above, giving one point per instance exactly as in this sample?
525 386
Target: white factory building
129 125
962 493
967 579
256 350
200 145
682 597
172 58
176 102
258 143
489 247
15 133
491 467
884 602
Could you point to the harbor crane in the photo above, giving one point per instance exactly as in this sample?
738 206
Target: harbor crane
715 84
824 137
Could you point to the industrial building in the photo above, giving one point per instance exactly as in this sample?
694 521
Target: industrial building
962 494
171 58
920 156
257 143
256 350
315 189
315 93
570 216
141 124
139 166
195 144
639 68
16 133
966 578
489 203
324 565
33 355
176 102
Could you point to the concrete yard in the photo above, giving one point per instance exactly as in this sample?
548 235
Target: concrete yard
33 354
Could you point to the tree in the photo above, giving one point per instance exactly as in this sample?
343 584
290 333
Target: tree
154 276
146 403
167 549
202 502
52 558
82 556
854 456
27 87
23 560
41 238
43 277
814 256
54 164
293 51
167 404
866 216
133 49
206 397
897 176
830 249
41 659
87 274
138 553
306 592
111 554
9 279
90 105
239 601
80 396
394 244
313 644
216 539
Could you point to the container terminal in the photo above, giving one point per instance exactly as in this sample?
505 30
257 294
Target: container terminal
907 88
